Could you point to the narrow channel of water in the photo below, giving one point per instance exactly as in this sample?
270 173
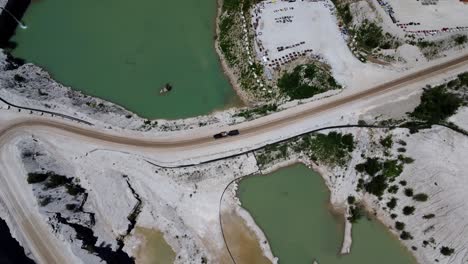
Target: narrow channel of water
291 206
125 51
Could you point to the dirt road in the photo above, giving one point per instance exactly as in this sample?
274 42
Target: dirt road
45 247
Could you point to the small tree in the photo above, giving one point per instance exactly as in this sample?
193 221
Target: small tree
408 210
446 251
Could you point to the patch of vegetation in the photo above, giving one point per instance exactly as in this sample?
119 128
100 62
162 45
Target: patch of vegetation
393 189
377 185
370 36
344 12
400 225
306 81
420 197
371 166
463 79
332 149
351 199
446 251
392 203
460 39
387 142
405 160
35 177
258 111
437 104
403 183
409 192
392 169
272 152
356 213
408 210
406 235
428 216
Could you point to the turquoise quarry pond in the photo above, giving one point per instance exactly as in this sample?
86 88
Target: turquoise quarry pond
125 51
291 207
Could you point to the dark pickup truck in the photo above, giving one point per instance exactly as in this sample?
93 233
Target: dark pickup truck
221 135
234 132
226 134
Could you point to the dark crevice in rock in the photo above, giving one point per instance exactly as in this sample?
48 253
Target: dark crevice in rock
104 252
136 210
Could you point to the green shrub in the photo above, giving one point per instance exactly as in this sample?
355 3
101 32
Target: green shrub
392 169
399 225
356 213
446 251
393 189
463 78
408 210
369 36
306 81
409 192
428 216
420 197
461 39
333 148
406 235
371 166
351 199
377 185
387 142
392 203
436 105
406 160
258 111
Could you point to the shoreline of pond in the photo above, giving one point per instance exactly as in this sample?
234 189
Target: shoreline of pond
337 214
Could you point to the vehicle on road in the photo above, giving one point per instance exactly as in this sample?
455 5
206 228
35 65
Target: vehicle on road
221 135
234 132
224 134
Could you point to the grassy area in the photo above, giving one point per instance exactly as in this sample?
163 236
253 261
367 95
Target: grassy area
331 149
258 111
380 172
437 104
343 11
370 36
272 153
306 81
231 43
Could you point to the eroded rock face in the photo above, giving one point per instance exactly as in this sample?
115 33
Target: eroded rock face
70 208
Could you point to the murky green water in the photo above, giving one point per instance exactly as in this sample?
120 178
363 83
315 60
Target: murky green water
154 249
291 207
125 51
